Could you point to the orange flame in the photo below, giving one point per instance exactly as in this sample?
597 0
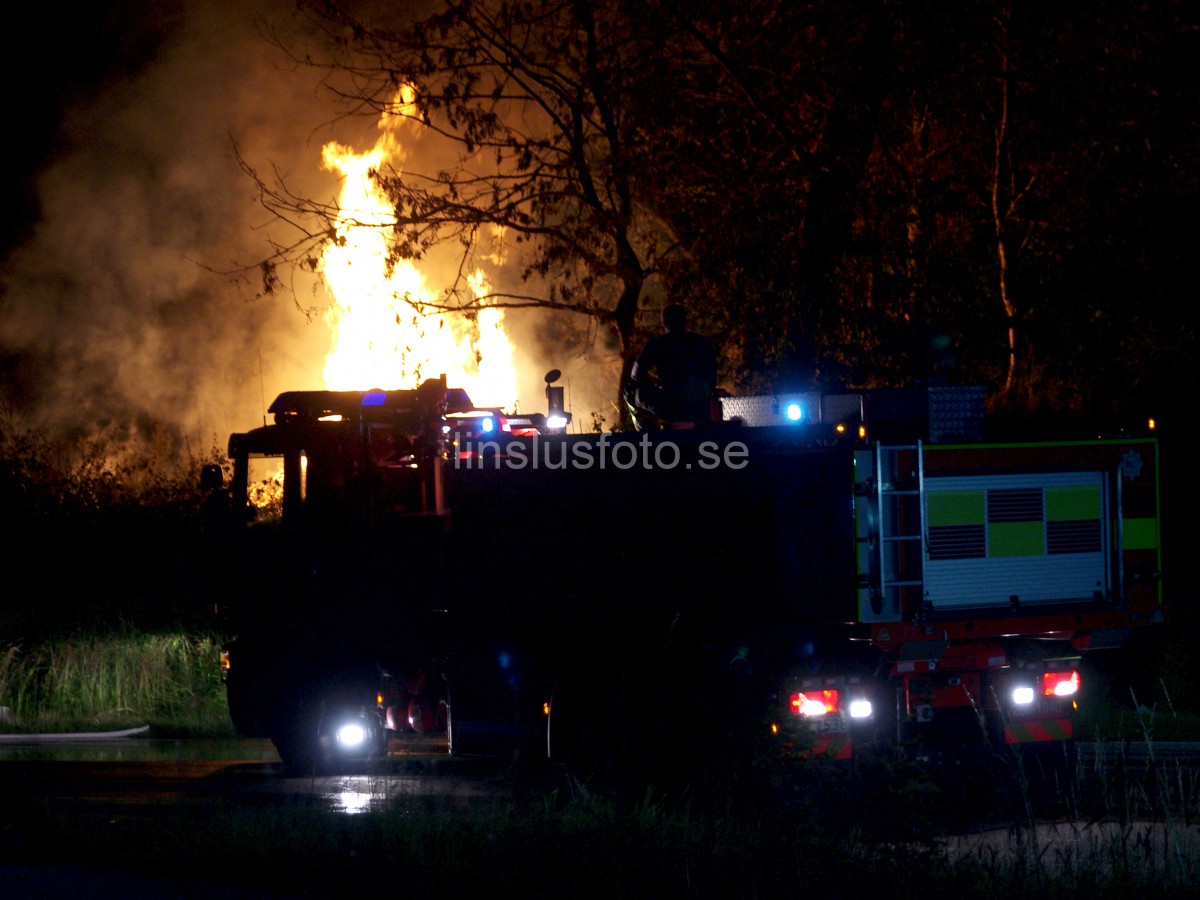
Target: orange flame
380 338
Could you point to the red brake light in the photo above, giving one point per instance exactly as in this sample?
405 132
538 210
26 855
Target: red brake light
814 703
1060 684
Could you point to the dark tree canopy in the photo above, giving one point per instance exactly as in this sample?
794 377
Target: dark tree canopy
845 193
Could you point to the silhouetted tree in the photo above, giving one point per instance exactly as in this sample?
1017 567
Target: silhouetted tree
524 114
856 193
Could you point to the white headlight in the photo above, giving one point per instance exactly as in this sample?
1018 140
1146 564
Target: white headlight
1022 696
351 735
860 709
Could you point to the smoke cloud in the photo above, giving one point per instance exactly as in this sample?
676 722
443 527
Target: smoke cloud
121 299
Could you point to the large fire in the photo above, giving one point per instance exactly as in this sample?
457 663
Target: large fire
380 339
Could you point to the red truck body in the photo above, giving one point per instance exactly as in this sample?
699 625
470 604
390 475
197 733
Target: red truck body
864 567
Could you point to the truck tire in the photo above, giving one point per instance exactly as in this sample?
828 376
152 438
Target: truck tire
295 736
304 734
247 712
580 737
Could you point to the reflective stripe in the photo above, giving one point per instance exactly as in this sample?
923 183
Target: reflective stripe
834 746
1032 732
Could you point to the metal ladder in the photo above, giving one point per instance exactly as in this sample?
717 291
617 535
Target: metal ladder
900 547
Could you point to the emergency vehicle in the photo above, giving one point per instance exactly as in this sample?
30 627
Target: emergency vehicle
809 575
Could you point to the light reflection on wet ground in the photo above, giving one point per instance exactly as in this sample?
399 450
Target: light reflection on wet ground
148 772
106 779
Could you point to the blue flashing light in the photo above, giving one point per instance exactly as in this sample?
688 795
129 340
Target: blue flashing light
488 424
794 412
374 398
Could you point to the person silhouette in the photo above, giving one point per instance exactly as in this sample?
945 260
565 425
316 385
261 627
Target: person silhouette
674 378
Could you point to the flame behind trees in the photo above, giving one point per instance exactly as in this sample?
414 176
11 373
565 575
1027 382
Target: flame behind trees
529 103
814 178
380 336
686 152
624 159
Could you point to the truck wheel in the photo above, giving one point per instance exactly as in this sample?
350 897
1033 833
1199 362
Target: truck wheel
246 711
295 736
306 736
578 742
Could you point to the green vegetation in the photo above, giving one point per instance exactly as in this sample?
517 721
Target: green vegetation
107 620
876 829
170 682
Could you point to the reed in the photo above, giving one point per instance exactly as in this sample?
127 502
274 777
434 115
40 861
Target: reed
169 681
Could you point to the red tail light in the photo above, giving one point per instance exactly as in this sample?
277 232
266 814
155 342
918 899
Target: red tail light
1060 684
814 703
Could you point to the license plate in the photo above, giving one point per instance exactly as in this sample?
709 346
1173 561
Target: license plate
1040 710
831 723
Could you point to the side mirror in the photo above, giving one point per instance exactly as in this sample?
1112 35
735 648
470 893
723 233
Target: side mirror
557 417
211 478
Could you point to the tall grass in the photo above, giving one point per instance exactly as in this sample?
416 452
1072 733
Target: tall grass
592 847
170 682
109 587
1109 826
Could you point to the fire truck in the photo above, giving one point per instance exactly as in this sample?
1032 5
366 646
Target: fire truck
809 575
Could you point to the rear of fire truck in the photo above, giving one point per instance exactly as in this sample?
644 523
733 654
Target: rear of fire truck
989 574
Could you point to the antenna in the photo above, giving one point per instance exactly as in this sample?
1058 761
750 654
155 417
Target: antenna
262 390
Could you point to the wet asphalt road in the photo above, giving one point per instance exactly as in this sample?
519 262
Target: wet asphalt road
132 771
131 775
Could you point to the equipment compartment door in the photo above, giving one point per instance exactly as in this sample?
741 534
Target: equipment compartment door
1017 539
